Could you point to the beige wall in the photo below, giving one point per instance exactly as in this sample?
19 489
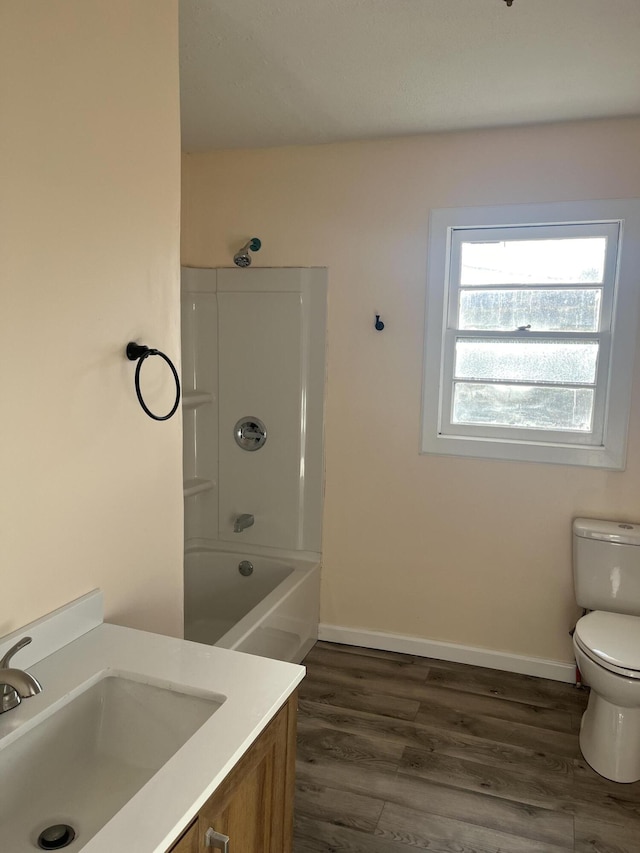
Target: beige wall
89 231
460 550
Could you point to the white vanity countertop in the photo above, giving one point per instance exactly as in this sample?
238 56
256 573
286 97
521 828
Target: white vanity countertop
255 688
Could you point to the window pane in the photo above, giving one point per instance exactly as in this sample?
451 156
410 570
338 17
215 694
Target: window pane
523 406
578 259
567 310
527 361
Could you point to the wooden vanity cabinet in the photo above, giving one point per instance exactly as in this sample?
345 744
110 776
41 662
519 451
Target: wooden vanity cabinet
254 804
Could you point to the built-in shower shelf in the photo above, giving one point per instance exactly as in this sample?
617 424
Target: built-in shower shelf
197 485
191 399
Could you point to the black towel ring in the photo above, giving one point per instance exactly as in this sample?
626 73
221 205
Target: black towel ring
140 352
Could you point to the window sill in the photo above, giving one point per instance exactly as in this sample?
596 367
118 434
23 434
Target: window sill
520 451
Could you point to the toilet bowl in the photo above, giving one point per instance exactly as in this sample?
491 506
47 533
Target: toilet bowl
607 651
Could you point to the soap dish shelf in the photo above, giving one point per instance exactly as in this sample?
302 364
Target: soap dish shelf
197 485
193 399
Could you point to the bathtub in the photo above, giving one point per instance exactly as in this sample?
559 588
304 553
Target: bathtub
273 612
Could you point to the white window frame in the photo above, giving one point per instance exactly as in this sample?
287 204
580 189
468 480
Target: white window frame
605 447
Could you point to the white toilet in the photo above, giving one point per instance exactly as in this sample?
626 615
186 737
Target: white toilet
606 642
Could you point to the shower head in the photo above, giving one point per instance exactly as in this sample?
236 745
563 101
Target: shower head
243 258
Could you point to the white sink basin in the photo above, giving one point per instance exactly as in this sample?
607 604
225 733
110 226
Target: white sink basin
132 733
85 761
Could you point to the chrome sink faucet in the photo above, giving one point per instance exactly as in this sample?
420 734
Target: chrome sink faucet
242 522
16 684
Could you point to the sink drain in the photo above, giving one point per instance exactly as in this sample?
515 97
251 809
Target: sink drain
56 837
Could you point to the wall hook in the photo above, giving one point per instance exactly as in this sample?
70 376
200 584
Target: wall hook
379 325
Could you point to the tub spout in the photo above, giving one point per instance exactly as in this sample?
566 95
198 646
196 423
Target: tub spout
242 522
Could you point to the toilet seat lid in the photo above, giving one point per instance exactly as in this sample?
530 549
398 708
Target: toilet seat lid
614 638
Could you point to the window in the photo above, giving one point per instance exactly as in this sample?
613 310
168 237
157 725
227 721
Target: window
530 331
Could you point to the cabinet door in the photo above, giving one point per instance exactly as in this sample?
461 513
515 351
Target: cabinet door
254 805
187 843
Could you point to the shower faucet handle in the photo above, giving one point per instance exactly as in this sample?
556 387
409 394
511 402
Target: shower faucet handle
255 434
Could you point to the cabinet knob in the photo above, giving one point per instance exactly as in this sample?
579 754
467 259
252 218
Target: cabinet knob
216 840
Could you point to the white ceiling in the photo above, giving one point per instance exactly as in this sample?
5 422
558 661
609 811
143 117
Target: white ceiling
258 73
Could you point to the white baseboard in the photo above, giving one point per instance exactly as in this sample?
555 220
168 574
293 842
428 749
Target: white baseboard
539 667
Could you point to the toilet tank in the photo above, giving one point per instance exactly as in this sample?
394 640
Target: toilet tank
606 565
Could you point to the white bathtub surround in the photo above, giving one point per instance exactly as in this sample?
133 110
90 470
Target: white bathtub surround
439 650
253 350
250 689
254 346
273 612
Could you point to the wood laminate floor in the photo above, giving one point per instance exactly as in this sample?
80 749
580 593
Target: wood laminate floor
399 753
